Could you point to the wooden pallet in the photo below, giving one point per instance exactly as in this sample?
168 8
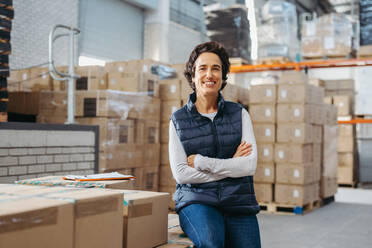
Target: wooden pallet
3 117
236 61
278 208
330 57
365 52
274 60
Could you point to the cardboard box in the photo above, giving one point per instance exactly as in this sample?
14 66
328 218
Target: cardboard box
296 133
330 155
346 174
346 159
331 114
265 152
300 93
262 113
150 179
293 77
264 192
297 195
114 131
152 132
59 181
91 78
230 93
343 104
145 83
121 156
143 65
40 222
311 46
295 113
265 173
186 90
316 82
137 172
166 176
263 94
317 134
170 89
243 96
293 153
328 100
168 107
145 218
39 80
328 187
117 104
346 130
264 133
346 144
346 84
164 154
299 174
317 154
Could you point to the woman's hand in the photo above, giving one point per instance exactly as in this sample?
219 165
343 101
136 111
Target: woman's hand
190 160
243 150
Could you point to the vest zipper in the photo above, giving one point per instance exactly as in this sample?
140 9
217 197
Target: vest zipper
216 142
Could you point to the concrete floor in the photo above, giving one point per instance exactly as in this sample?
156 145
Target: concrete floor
347 222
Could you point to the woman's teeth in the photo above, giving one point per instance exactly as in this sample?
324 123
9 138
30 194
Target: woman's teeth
209 83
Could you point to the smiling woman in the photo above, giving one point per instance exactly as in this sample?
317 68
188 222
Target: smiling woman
213 157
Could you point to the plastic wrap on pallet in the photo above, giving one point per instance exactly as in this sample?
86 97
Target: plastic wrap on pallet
277 32
366 35
230 27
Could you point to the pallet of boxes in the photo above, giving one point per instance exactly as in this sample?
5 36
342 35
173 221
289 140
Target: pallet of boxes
341 94
292 149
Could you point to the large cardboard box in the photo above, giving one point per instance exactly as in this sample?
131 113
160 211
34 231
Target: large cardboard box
297 195
311 46
110 103
293 77
152 132
263 94
145 218
346 130
145 83
121 156
343 104
231 93
264 192
143 65
265 173
91 78
317 154
293 153
170 89
295 113
317 134
331 114
346 144
296 133
39 80
262 113
346 159
300 93
265 152
150 179
168 107
328 187
346 174
36 222
17 78
346 84
151 154
264 133
59 181
299 174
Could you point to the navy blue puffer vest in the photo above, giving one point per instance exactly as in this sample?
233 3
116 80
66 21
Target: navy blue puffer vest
217 139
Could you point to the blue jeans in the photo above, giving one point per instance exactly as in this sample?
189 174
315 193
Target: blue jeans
206 226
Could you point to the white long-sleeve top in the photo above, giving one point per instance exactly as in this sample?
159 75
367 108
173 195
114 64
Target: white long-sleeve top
211 169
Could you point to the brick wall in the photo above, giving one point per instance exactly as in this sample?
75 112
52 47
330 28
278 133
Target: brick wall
56 150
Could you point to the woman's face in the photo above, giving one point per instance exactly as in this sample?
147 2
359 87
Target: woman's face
208 74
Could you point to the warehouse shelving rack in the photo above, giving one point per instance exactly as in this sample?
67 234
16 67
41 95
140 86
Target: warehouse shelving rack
305 65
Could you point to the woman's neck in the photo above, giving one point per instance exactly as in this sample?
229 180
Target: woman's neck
206 104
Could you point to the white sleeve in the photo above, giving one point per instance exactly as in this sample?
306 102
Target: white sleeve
182 172
233 167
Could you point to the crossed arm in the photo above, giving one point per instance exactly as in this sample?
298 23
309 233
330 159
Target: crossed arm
200 169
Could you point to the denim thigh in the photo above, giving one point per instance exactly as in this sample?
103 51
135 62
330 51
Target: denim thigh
204 225
242 231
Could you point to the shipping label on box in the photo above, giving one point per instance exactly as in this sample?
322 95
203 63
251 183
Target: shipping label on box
265 152
265 173
293 153
262 113
264 133
263 93
264 192
297 133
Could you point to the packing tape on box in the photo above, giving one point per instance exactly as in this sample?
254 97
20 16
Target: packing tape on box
96 206
139 210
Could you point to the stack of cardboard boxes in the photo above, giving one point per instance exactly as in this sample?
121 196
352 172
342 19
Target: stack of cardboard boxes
341 94
288 121
262 109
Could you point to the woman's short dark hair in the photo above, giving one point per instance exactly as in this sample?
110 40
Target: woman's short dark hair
210 47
